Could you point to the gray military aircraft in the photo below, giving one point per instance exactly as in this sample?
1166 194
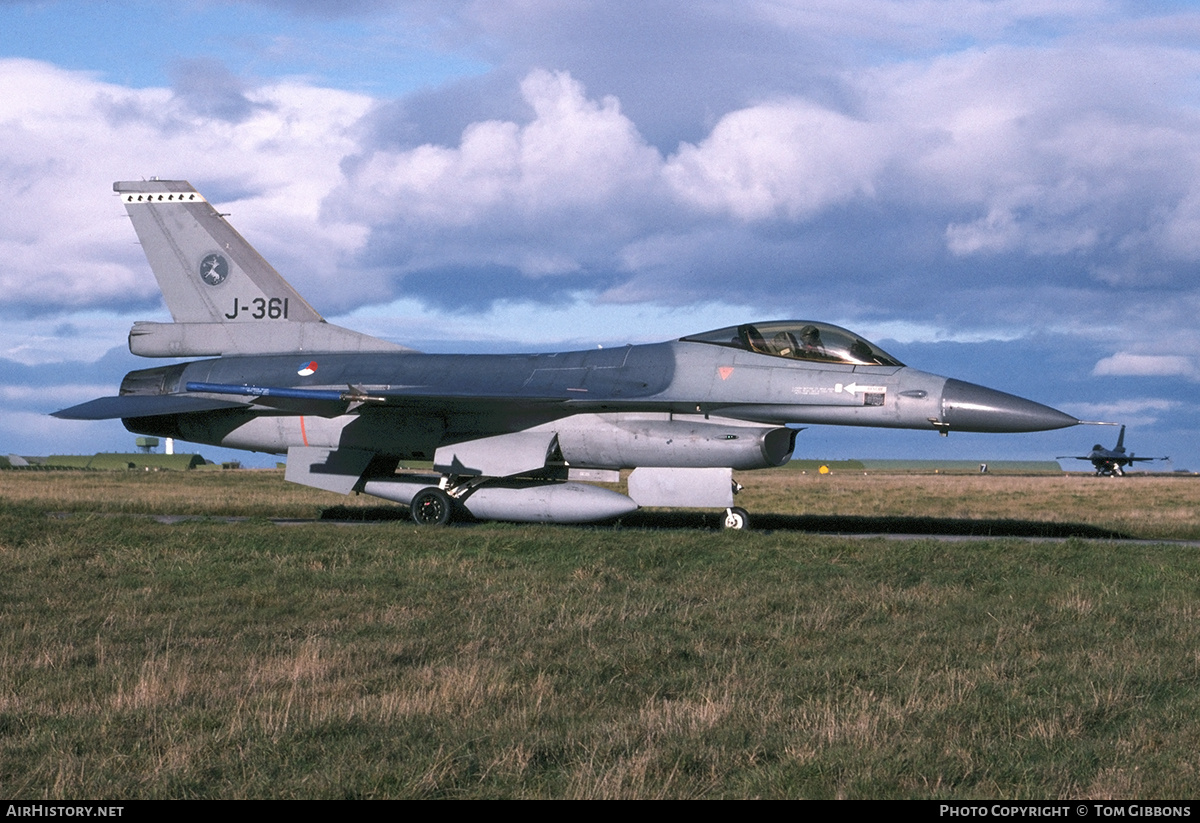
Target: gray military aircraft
511 437
1110 462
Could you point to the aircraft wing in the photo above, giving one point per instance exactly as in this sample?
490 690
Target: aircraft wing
443 399
203 397
423 399
303 401
417 399
438 399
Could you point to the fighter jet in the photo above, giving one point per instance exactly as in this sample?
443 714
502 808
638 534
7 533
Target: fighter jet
518 437
1110 463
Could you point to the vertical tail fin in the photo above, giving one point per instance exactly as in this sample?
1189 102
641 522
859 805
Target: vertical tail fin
208 273
1120 441
224 297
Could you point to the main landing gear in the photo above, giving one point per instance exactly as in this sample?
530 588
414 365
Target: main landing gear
431 507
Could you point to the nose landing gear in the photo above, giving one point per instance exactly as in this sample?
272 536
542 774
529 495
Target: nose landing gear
736 518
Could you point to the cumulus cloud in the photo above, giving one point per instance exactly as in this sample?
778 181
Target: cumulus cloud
930 173
1068 152
210 89
789 159
1124 364
556 195
575 155
978 188
924 22
67 136
1141 411
980 169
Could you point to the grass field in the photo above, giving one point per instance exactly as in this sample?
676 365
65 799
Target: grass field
250 659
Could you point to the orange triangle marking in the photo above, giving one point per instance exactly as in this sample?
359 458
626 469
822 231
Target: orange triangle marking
725 371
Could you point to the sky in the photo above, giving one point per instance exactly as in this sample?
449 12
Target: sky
1002 191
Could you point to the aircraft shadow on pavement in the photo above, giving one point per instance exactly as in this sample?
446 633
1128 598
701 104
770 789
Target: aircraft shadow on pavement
819 524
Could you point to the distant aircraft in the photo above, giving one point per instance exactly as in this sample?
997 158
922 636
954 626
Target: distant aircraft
1110 463
511 437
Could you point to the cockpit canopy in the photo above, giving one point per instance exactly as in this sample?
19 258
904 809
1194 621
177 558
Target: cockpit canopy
799 340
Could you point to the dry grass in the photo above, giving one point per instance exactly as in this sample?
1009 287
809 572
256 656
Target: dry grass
1148 506
210 659
252 493
1164 506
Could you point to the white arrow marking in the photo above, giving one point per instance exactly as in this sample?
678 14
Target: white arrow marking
854 388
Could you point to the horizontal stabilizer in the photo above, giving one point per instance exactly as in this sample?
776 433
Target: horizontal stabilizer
147 339
143 405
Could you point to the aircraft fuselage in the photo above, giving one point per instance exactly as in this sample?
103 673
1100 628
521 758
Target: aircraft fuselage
610 407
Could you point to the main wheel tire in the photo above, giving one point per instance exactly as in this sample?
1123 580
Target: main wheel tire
431 507
736 518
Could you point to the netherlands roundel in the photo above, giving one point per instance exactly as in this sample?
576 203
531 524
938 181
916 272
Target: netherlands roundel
307 368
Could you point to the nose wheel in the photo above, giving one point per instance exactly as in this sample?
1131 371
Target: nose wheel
736 518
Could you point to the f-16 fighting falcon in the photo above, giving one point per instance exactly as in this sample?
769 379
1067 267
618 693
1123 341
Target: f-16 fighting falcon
1110 462
511 437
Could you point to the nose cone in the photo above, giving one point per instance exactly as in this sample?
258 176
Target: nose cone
967 407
